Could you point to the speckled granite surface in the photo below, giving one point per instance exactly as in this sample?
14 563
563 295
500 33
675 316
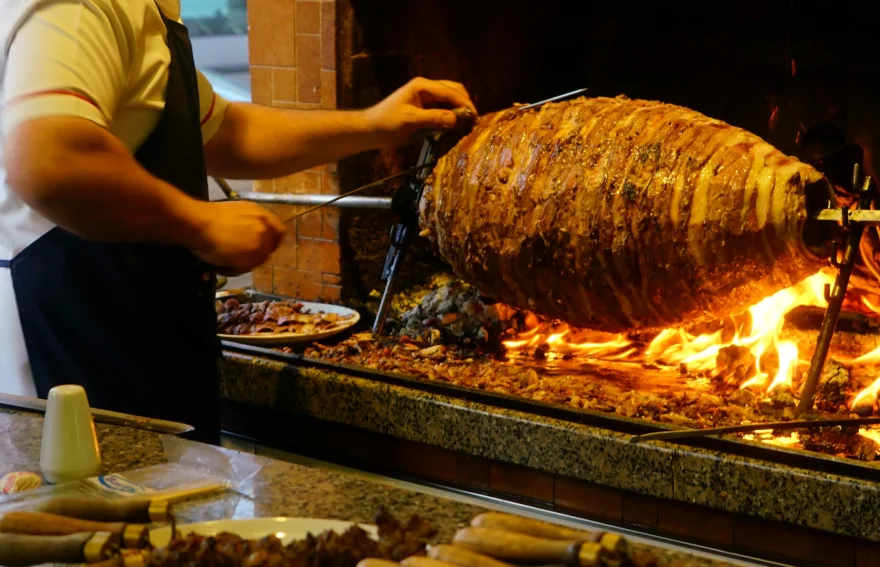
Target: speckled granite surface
758 488
277 489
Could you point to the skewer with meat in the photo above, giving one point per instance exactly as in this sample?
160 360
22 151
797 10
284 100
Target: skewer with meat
618 214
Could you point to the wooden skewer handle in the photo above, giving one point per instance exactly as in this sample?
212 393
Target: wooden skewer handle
529 526
23 550
502 544
463 557
40 523
129 510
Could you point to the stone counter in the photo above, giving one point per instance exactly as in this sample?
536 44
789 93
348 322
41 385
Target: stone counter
278 489
740 486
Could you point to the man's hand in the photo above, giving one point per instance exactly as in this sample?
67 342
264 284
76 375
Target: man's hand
237 236
400 117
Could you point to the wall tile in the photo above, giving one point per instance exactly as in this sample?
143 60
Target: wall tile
330 224
299 182
328 36
308 16
271 33
328 90
298 105
283 84
695 524
331 293
473 471
588 500
521 481
867 554
310 225
640 511
261 85
834 551
330 257
308 65
297 284
286 253
309 255
423 461
330 182
772 540
262 278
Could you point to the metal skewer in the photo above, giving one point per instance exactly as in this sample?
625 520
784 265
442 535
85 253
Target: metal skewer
801 424
320 201
553 99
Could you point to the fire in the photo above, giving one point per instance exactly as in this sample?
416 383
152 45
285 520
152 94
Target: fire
773 362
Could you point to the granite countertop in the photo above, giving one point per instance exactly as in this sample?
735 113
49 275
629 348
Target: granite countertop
750 486
277 489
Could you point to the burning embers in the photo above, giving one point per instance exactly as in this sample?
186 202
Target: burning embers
747 369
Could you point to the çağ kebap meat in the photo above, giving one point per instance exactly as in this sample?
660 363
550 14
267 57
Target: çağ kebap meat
618 214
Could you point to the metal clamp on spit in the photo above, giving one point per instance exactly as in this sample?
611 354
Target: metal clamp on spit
853 224
405 204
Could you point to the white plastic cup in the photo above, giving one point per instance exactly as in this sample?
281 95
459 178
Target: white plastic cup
69 448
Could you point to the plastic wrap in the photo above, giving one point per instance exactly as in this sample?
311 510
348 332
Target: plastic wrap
190 466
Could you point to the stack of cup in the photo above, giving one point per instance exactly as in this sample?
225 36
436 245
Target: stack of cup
69 449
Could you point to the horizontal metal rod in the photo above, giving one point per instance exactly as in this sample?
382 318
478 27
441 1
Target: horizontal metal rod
352 202
863 216
750 427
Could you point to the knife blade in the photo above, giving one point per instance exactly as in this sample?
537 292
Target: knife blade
102 416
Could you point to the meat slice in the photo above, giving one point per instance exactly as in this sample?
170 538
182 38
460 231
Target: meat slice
618 214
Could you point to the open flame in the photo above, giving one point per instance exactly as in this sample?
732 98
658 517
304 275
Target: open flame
766 361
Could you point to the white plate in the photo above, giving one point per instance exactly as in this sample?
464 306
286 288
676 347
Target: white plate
298 338
285 529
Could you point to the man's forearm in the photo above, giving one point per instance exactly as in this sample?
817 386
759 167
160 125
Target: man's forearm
258 142
83 179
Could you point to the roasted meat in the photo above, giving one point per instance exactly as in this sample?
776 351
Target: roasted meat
616 214
396 542
273 317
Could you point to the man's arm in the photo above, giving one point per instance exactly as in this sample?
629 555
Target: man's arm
81 177
64 77
257 142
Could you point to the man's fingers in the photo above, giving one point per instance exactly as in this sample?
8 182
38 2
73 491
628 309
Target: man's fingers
434 118
440 91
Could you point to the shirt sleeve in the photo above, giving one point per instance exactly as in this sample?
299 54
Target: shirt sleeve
212 108
67 59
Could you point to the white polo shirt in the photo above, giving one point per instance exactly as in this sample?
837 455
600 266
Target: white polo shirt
103 60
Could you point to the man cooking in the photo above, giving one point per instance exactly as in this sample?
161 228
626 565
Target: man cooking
108 244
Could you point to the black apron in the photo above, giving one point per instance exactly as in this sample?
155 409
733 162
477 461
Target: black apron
134 324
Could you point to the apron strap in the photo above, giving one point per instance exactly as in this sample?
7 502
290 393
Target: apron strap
5 263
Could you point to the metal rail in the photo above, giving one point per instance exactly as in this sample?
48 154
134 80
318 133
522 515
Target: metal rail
310 200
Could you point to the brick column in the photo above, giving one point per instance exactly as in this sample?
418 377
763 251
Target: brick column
293 65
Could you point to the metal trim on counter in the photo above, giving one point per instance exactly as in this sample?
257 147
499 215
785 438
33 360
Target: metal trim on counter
352 202
101 416
613 422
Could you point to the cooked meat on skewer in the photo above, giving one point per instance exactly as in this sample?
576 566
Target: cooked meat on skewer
617 214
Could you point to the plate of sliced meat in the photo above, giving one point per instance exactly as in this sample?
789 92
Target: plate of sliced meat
280 321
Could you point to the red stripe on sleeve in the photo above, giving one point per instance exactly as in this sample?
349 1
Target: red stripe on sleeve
210 110
26 96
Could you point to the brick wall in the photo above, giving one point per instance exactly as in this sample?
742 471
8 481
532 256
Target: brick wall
293 65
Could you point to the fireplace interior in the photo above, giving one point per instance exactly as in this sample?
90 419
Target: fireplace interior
802 75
